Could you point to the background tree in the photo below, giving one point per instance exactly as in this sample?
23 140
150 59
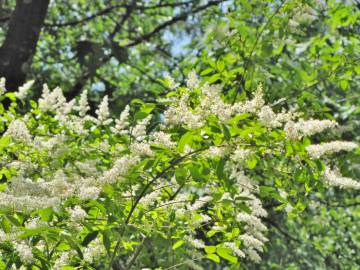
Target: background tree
109 47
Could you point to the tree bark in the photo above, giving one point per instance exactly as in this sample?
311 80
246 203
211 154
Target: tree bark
20 42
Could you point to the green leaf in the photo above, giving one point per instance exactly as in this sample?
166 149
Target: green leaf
211 233
225 254
4 142
227 134
214 78
178 244
210 249
251 163
206 71
89 237
46 213
13 220
220 169
220 65
213 257
184 140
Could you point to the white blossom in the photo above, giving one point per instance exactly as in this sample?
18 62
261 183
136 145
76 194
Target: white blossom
77 214
141 149
318 150
296 130
171 82
253 105
192 265
199 203
25 253
2 86
139 131
251 221
103 111
63 260
192 80
240 154
151 197
251 242
18 131
235 249
83 104
94 251
88 192
253 255
196 243
24 89
122 122
120 168
333 178
163 139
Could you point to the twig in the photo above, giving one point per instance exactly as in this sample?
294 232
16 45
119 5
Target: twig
258 36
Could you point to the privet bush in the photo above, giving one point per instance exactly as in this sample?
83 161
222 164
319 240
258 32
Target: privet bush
172 185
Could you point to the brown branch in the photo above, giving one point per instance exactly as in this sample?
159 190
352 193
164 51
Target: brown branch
165 5
137 253
130 8
119 25
279 229
86 19
107 11
258 36
181 17
161 174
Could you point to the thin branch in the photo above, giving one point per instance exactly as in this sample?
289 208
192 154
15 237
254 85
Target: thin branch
143 192
258 36
137 253
181 17
279 229
119 25
105 12
86 19
144 73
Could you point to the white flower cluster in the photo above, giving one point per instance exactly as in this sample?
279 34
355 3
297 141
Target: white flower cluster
192 80
18 131
2 86
318 150
103 112
25 252
123 122
270 119
240 154
333 178
235 249
196 243
171 82
139 131
297 130
86 174
83 106
63 260
94 251
77 214
24 89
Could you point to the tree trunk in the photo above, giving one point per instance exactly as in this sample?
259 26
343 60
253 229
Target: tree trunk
19 46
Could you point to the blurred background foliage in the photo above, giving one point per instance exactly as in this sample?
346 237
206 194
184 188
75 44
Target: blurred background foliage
305 52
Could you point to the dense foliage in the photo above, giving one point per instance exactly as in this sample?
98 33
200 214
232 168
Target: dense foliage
186 177
193 174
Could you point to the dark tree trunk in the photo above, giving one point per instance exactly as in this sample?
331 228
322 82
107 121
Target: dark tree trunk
19 46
